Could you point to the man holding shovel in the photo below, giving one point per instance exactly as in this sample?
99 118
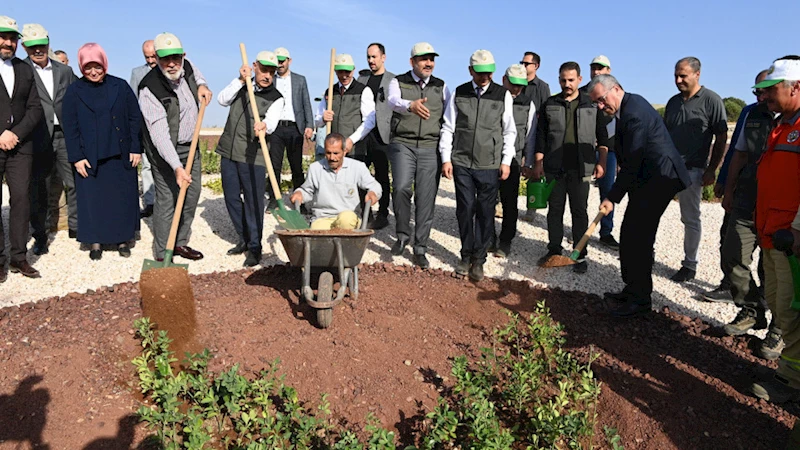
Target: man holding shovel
169 96
242 162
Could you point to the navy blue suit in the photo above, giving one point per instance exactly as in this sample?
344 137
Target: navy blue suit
652 172
101 124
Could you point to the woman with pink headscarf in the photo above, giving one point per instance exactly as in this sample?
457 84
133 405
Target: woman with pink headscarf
101 128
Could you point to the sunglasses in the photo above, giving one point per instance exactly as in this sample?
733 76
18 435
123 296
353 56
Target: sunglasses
758 92
527 63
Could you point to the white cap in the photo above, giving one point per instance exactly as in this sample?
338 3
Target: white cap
517 74
281 53
781 70
482 61
343 61
34 34
7 24
267 58
422 48
602 60
167 44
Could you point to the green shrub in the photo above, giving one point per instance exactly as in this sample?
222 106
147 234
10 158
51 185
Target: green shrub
662 110
209 159
733 107
215 185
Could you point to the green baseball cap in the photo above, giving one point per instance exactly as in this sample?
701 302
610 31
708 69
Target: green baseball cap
167 44
282 54
517 74
8 25
780 70
34 34
267 58
422 48
482 61
344 62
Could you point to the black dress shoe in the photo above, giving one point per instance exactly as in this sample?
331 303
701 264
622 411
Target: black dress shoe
188 253
95 254
252 259
421 261
399 245
682 275
379 223
124 250
632 309
238 249
24 268
73 234
40 247
146 212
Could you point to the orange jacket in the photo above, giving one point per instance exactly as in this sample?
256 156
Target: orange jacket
778 181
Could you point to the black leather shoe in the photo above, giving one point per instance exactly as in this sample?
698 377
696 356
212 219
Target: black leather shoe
632 309
238 249
399 245
421 261
252 259
73 234
24 268
188 253
3 274
40 247
683 275
95 254
147 211
379 223
124 250
476 272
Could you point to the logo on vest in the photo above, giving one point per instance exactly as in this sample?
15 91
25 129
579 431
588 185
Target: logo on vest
793 136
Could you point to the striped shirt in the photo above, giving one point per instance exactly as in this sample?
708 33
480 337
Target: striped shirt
155 117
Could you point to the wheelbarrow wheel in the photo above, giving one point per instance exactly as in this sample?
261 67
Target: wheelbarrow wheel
325 294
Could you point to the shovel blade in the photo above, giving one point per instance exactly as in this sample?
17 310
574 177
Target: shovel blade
289 218
152 264
557 261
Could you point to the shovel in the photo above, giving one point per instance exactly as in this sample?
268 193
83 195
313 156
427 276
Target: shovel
560 260
287 218
329 101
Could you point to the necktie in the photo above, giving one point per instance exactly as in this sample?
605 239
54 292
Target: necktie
421 83
341 90
478 92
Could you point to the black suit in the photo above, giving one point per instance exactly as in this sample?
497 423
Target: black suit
19 114
652 172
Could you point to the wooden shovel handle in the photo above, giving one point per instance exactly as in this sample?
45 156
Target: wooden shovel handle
264 148
582 243
176 217
328 101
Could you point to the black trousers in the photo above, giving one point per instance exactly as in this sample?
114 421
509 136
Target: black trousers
509 194
476 196
378 157
289 138
723 231
243 186
16 167
568 184
646 205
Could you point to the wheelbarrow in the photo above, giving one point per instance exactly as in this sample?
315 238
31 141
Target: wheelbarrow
331 251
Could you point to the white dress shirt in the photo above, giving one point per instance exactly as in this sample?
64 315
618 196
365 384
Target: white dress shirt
284 86
46 75
400 105
509 128
7 72
273 115
367 113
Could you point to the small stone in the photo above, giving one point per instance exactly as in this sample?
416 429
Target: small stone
407 362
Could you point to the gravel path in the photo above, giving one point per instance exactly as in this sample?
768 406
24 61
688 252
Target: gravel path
68 269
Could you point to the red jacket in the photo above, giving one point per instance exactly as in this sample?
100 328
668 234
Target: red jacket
779 181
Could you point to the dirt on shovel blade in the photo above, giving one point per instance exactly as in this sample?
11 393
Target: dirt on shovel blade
168 301
557 261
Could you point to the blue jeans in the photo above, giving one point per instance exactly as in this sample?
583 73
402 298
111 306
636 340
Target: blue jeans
605 183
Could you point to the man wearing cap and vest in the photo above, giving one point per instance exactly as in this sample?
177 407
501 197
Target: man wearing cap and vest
778 208
571 148
601 65
51 172
378 79
242 164
137 74
20 114
295 125
525 121
477 147
418 100
169 97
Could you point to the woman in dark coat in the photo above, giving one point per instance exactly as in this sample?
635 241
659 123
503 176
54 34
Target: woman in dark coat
101 128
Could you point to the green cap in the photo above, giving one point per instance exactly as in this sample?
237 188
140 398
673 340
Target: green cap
267 58
167 44
780 70
34 34
482 61
344 62
8 25
517 74
282 54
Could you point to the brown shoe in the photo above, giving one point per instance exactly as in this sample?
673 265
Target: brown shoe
188 253
24 268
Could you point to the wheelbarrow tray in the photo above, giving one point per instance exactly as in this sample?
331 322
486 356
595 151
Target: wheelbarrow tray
322 244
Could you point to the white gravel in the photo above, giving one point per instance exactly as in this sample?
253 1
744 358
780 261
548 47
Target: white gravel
68 269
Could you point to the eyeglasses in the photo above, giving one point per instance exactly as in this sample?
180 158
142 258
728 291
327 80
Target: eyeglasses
758 92
601 99
527 63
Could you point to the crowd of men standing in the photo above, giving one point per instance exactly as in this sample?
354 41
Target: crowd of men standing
484 135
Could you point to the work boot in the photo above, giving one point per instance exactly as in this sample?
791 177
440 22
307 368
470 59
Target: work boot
747 319
462 267
776 390
476 272
379 223
772 345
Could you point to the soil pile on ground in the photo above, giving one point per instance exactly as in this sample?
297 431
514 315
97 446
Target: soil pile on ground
168 301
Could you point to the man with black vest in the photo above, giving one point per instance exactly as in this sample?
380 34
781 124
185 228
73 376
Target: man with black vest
571 148
418 100
20 114
525 122
477 147
295 123
242 164
51 173
169 97
377 78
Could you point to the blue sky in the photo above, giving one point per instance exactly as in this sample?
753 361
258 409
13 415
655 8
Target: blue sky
642 39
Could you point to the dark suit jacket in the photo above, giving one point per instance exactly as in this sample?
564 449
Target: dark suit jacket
383 112
63 76
645 151
89 128
22 112
301 103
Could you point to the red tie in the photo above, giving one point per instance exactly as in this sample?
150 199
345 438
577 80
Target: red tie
341 90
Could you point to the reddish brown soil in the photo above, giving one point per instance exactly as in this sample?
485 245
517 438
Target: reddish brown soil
668 382
168 301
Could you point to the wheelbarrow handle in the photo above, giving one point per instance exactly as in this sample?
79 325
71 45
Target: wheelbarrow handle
297 205
367 206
